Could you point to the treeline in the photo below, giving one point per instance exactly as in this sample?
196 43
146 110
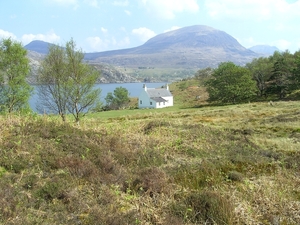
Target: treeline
66 82
266 78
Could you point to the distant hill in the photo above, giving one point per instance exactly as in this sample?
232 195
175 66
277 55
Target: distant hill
38 46
170 56
265 50
189 47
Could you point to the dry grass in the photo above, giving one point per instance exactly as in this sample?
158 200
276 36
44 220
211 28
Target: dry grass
212 165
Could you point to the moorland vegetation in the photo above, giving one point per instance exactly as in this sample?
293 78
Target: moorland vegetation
203 161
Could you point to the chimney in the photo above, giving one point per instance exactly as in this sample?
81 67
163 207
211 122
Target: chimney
144 86
167 87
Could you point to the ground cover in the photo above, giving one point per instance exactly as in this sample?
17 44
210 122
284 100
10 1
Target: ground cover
235 164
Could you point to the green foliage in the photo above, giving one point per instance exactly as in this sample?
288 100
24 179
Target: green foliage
276 76
82 96
281 75
52 79
117 100
204 74
261 70
67 83
14 69
230 84
295 79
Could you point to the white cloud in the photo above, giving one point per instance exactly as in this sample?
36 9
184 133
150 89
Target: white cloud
252 9
73 3
249 42
104 30
168 8
93 3
282 44
96 44
5 34
51 37
127 12
143 33
121 3
172 28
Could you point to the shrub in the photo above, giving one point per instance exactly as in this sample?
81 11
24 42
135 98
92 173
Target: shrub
53 188
207 207
235 176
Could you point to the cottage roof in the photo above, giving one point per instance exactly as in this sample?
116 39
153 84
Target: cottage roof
158 99
158 92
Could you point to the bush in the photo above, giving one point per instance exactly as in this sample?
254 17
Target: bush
235 176
207 207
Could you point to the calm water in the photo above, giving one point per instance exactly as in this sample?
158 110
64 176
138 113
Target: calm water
134 90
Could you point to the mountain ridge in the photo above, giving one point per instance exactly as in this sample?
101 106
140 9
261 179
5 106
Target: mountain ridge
172 55
264 50
193 40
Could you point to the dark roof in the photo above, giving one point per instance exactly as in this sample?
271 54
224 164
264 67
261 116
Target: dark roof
158 92
158 99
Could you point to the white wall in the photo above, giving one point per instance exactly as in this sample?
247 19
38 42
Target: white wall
145 101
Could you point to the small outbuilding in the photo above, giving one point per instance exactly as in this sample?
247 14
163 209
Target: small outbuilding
155 97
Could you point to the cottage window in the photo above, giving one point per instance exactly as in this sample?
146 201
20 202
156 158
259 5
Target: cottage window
141 102
150 103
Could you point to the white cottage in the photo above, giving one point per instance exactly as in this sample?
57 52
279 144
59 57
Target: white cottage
155 97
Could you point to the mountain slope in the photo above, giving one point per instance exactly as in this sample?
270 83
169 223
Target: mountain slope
265 50
170 56
195 46
38 46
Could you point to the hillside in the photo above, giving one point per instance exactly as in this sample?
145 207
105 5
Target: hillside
212 165
170 56
264 50
109 73
40 47
189 47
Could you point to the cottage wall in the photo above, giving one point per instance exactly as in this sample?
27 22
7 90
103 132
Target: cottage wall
144 101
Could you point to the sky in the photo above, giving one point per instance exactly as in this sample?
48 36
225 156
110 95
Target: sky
101 25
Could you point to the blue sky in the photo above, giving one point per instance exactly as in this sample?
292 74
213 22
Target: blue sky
100 25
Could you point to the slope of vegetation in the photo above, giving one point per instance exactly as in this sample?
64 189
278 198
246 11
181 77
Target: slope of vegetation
194 163
212 165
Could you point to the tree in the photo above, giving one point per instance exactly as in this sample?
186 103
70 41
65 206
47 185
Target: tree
82 97
118 99
280 80
204 73
14 69
52 79
295 78
260 69
69 81
230 84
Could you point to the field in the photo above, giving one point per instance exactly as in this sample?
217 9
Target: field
188 164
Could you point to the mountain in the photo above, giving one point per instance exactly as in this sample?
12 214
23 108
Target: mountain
169 56
264 50
38 46
189 47
37 50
